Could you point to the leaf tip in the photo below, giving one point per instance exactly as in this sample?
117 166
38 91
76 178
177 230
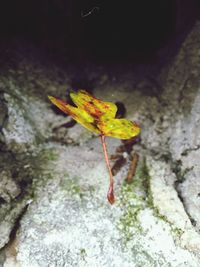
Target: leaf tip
51 98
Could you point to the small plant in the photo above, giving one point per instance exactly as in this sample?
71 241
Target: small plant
99 117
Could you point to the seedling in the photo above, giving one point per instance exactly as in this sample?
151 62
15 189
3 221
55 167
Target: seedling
99 117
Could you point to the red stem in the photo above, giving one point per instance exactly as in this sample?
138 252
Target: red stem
110 194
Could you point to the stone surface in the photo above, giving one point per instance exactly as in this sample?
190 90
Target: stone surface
54 181
8 188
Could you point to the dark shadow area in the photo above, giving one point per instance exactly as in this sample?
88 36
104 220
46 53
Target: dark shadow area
105 31
90 39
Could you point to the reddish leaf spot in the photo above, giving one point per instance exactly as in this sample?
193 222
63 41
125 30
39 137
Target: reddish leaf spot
93 111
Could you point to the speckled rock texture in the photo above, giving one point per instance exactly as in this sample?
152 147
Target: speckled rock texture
54 181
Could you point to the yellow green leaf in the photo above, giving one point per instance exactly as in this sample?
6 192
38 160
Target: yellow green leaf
79 115
97 116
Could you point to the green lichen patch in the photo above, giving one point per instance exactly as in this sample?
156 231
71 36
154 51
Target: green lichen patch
132 201
74 187
177 232
29 170
83 254
23 174
71 185
149 195
134 198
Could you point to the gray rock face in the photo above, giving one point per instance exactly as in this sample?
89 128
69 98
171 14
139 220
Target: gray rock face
54 182
8 187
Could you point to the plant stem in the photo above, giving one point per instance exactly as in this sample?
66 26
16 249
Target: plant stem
110 194
132 168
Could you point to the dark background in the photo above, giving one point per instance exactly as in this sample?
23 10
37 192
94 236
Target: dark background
108 30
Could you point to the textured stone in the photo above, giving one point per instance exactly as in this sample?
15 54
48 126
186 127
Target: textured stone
8 188
75 225
68 221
